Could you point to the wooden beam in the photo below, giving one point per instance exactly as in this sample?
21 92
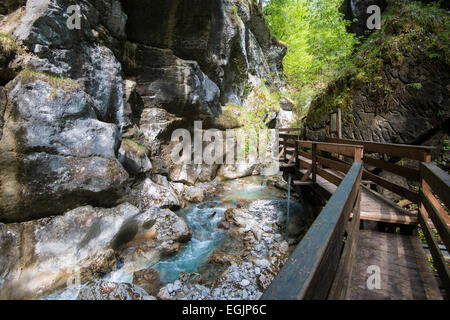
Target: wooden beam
329 176
406 193
305 144
438 220
408 173
289 129
439 261
314 162
343 167
438 180
421 153
344 149
307 174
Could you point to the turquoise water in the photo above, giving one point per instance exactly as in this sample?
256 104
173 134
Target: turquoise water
202 218
205 238
205 235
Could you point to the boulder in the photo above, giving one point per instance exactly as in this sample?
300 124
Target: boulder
147 193
176 85
67 157
133 157
148 279
40 256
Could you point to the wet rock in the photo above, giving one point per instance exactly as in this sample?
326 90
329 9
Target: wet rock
193 94
148 279
40 256
164 294
223 225
133 157
148 193
105 290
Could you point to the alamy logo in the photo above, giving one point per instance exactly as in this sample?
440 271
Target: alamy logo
234 146
74 20
374 21
374 280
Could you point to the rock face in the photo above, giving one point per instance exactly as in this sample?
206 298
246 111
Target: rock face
228 39
391 96
42 255
87 113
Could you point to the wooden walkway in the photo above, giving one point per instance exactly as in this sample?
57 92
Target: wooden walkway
404 270
380 238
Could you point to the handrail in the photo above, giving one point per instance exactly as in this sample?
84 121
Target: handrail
312 268
355 151
319 251
420 153
435 180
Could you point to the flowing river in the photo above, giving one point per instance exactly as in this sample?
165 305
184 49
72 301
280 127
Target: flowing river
202 218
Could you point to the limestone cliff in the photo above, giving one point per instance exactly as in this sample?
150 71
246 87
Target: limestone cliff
86 114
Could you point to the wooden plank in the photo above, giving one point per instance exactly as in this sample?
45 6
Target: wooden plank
288 136
344 149
438 221
329 176
337 165
343 167
302 183
420 153
305 155
408 173
289 129
305 144
404 271
314 162
307 174
309 271
438 180
375 207
438 259
340 287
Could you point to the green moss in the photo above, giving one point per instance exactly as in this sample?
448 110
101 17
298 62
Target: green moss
8 45
56 82
134 145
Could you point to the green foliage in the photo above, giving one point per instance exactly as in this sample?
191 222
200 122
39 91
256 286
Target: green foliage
318 44
409 29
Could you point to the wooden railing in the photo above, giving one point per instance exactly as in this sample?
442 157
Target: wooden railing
317 269
295 151
418 153
319 266
436 181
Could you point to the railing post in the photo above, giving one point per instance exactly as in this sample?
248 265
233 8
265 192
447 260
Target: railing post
359 154
296 161
314 161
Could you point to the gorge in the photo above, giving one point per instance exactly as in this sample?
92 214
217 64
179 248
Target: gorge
92 203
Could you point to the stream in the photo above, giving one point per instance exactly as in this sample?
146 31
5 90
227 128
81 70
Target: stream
202 218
